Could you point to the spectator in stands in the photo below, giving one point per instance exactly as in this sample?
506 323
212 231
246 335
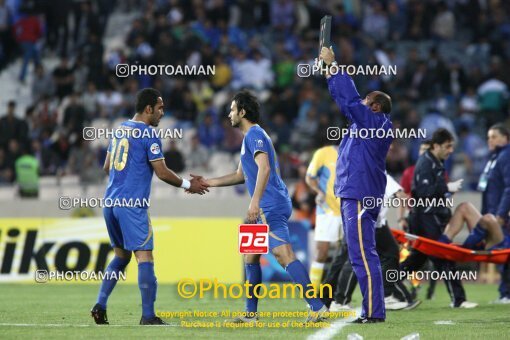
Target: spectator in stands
281 130
375 22
303 198
174 159
233 137
473 152
109 102
74 115
83 162
14 150
61 148
443 25
397 21
6 174
6 45
90 102
42 85
28 31
46 159
27 174
198 156
305 130
12 128
57 27
222 74
492 99
63 78
211 134
282 15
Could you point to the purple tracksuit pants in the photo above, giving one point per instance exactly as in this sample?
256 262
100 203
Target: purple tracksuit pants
359 231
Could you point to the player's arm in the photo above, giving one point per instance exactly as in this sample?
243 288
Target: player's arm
311 176
263 172
106 165
313 183
343 91
227 180
170 177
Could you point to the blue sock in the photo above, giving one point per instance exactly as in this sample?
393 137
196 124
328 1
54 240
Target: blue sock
254 276
148 285
477 235
300 276
444 239
116 266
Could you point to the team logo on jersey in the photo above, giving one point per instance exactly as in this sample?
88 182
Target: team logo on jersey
155 148
260 143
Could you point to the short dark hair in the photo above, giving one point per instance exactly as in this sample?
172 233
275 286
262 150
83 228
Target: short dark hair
502 129
441 136
144 97
384 100
426 142
248 102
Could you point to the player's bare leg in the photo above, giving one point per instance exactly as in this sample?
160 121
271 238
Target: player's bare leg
117 265
144 256
495 232
481 228
148 287
322 249
465 212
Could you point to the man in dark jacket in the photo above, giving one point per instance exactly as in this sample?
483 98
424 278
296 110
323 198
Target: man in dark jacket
360 175
430 220
492 230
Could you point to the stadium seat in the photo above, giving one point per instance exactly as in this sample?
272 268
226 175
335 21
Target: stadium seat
450 251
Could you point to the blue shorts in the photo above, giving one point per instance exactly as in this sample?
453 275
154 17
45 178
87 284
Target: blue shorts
277 217
129 228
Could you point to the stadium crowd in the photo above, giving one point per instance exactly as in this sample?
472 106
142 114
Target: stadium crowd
452 58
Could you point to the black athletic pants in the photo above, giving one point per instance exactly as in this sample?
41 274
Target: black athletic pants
432 226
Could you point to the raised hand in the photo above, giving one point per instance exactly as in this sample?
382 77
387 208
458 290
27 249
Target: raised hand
327 55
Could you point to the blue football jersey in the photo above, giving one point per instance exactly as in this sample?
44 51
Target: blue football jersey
256 140
130 157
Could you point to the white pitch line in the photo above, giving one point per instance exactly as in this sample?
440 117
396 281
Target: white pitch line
71 325
333 329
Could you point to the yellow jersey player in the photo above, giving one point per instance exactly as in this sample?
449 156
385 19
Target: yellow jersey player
320 176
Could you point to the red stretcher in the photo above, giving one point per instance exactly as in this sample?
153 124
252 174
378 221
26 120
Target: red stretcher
450 251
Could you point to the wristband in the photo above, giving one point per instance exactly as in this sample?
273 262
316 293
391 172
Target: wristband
185 184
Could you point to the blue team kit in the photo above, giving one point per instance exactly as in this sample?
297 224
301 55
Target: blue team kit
275 204
130 178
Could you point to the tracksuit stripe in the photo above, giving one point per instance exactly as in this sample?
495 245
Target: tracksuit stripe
367 269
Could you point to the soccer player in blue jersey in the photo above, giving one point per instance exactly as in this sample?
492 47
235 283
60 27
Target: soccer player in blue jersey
130 163
270 203
360 174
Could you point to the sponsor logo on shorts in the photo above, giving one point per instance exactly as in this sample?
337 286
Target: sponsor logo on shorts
253 239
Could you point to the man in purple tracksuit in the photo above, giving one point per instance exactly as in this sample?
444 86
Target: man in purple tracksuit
361 180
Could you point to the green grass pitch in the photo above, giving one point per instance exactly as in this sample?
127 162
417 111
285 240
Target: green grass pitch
62 311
